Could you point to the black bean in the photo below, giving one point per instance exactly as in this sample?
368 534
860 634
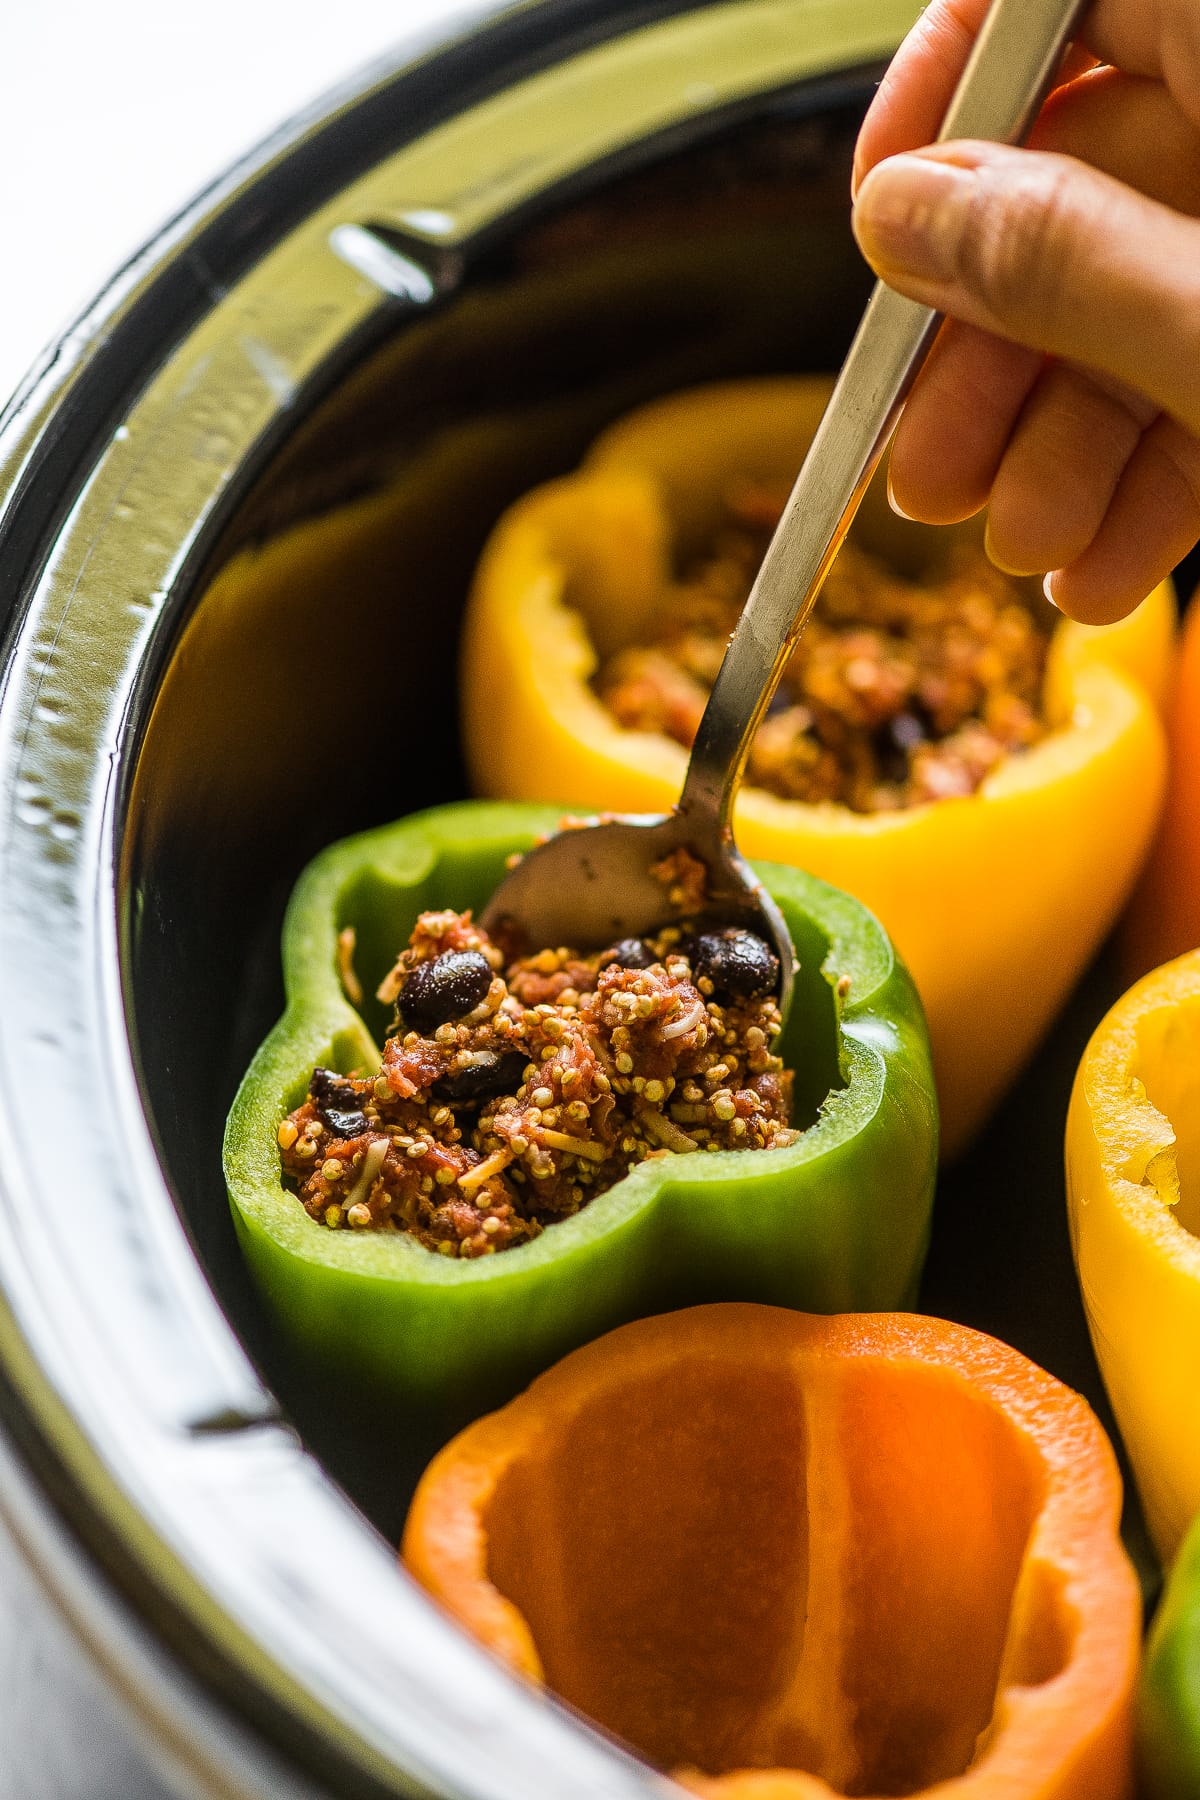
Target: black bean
345 1124
630 953
449 987
493 1072
908 730
894 743
738 963
337 1103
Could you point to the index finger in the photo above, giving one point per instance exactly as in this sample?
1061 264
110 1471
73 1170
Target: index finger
918 84
1155 38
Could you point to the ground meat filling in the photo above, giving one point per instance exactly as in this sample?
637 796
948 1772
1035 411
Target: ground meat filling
895 694
513 1090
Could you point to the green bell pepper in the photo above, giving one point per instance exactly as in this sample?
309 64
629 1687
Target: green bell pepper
1169 1695
836 1221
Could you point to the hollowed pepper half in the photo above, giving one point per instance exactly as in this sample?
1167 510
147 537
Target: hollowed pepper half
996 900
1133 1193
789 1557
837 1219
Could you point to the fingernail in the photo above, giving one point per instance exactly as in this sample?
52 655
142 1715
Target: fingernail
1048 589
910 215
895 504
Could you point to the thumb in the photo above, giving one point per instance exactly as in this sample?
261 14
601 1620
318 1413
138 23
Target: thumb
1046 251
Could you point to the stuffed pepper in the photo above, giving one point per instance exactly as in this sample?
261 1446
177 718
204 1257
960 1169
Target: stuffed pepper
985 783
450 1162
1133 1193
857 1555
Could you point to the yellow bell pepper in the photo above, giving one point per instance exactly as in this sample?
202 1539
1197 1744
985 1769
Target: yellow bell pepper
1133 1194
996 901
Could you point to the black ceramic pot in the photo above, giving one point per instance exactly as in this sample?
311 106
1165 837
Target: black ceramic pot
450 277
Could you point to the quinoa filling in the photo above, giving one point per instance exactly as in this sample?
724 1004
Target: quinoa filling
514 1089
897 692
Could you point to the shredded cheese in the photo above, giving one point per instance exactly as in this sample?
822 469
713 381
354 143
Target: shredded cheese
372 1162
491 1165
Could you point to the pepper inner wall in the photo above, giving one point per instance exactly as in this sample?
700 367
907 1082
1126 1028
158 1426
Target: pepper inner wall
840 1619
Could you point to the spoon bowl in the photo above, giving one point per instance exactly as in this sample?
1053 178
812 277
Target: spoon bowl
612 879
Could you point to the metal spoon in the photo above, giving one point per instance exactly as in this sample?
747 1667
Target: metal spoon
589 887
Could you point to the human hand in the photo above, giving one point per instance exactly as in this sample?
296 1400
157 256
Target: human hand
1064 390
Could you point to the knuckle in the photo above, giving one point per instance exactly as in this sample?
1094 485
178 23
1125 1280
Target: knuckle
1023 239
1179 453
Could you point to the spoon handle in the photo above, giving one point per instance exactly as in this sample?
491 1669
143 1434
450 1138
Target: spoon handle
1009 73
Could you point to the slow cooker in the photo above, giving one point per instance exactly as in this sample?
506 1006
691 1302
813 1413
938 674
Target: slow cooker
446 280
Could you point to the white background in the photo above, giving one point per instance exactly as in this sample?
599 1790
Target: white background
113 113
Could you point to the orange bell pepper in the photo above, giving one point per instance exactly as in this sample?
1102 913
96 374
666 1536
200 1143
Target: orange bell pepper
789 1557
1133 1197
1163 919
996 901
